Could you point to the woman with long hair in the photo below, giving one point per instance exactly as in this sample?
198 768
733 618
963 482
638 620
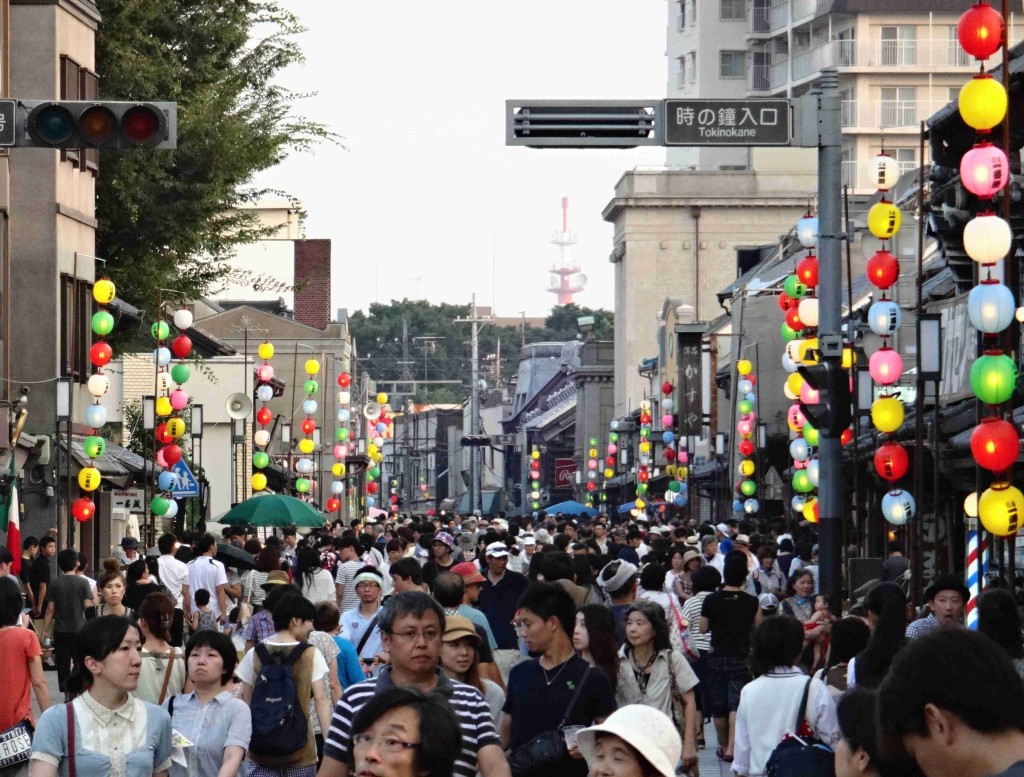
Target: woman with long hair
163 671
460 659
887 618
594 639
108 657
653 674
110 589
139 583
999 619
315 582
849 637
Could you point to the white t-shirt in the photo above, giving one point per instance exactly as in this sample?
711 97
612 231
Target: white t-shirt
245 672
173 574
207 573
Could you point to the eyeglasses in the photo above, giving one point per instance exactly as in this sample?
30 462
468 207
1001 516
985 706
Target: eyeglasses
384 744
430 635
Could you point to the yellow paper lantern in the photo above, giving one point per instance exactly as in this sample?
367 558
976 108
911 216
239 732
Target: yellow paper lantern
535 455
104 291
382 398
849 358
163 406
640 504
744 367
609 473
746 468
338 469
808 350
884 220
808 512
645 447
176 428
788 392
982 102
312 366
376 457
1000 508
670 470
89 479
887 414
266 351
682 472
371 449
306 446
793 382
259 481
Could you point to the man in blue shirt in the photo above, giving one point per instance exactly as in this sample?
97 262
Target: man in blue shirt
499 600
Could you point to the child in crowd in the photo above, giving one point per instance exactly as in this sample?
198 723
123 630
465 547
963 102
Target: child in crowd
202 615
820 615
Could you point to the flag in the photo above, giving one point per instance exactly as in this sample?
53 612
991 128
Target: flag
10 523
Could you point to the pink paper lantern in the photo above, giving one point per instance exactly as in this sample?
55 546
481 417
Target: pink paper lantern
984 170
743 427
612 449
666 421
160 458
795 417
885 366
683 457
808 395
339 451
179 399
266 373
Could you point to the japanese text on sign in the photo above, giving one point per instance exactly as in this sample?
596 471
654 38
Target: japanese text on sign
727 122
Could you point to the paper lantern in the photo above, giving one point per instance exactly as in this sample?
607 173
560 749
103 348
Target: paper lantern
786 301
995 444
341 434
308 426
264 393
264 416
163 379
809 395
990 307
811 511
885 366
183 318
265 373
980 30
882 269
162 356
984 170
793 287
885 317
102 323
303 485
265 351
898 507
891 462
799 450
971 505
304 466
748 488
849 358
795 418
884 220
98 385
801 482
94 446
1000 508
338 469
172 454
744 428
811 435
310 387
309 407
982 102
104 291
312 366
89 479
807 231
167 480
100 354
260 460
808 311
807 271
745 406
787 333
179 399
807 350
307 446
181 346
797 503
175 428
160 330
883 172
993 377
95 416
746 468
744 367
344 380
163 406
344 397
751 506
261 438
746 448
667 405
259 481
987 238
83 509
344 415
180 374
813 471
382 398
887 414
788 364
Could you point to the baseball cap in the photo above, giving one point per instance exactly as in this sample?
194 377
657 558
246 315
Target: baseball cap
469 572
769 602
496 550
722 528
529 539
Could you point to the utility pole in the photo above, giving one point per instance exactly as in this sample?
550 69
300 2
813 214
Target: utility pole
474 404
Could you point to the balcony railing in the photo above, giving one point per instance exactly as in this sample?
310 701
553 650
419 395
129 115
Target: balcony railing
779 17
680 79
759 19
760 78
779 74
875 114
803 9
933 53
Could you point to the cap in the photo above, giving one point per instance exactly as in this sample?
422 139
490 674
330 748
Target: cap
445 538
529 540
277 577
542 536
741 539
722 528
496 550
469 572
457 627
768 601
129 542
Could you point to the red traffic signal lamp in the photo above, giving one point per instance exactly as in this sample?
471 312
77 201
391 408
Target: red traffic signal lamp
106 125
831 414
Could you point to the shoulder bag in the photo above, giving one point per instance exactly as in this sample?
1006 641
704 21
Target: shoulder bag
167 675
689 650
16 745
676 702
245 606
797 756
366 635
548 749
71 739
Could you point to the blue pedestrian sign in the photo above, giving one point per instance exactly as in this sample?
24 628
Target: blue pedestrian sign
187 484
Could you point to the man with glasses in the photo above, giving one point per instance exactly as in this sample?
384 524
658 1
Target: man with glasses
411 625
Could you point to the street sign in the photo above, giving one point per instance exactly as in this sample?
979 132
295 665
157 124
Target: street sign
187 484
8 122
754 122
131 499
564 470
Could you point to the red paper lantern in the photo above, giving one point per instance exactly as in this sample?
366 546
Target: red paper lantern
645 418
83 509
883 269
172 454
807 271
609 461
333 505
100 354
994 444
163 436
431 512
344 380
980 30
372 488
591 485
891 462
308 425
846 437
181 346
534 464
643 476
264 416
670 454
666 388
746 448
793 319
786 302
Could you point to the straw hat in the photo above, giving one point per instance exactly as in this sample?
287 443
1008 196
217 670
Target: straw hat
645 729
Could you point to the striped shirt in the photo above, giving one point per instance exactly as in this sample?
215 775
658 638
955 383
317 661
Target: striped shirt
466 702
346 574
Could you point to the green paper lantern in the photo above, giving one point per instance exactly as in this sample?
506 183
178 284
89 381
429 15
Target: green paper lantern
645 432
748 488
102 323
641 488
674 486
604 497
811 435
311 386
793 287
802 482
374 472
788 334
536 505
160 331
260 460
160 505
94 446
341 434
613 437
993 378
593 442
745 406
302 485
180 374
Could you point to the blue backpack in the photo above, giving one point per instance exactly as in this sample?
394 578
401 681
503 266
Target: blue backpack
279 724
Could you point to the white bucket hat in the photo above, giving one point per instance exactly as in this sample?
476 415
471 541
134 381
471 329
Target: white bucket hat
650 732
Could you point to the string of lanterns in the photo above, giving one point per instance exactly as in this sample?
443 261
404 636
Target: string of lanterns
376 414
745 428
261 437
341 442
675 460
100 354
169 405
304 483
643 470
610 461
988 239
535 470
592 467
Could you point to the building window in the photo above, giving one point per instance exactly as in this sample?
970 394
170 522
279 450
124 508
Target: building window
898 107
681 75
78 83
906 158
732 10
899 45
732 64
691 67
75 327
955 54
681 16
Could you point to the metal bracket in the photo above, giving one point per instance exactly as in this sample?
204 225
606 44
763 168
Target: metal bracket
830 346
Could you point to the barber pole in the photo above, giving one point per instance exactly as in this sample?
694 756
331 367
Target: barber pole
977 567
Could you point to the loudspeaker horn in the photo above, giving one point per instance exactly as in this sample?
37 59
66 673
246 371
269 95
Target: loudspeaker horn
371 410
238 405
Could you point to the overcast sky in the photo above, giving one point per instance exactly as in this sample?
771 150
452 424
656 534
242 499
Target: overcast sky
418 92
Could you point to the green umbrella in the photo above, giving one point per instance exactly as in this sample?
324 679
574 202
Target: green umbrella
273 510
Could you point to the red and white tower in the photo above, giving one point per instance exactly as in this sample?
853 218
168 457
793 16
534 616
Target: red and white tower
566 278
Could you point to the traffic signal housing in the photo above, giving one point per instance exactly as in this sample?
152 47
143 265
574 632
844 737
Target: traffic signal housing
71 124
831 413
475 441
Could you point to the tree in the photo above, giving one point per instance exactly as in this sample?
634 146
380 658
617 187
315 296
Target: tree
169 218
562 324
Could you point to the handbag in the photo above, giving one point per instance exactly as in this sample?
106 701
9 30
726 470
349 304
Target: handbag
16 744
71 739
245 606
548 749
689 649
797 756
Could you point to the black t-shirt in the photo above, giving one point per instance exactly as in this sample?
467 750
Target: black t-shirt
1017 770
40 574
536 706
432 569
731 617
135 594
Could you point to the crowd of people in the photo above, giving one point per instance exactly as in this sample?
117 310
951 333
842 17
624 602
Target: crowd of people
553 645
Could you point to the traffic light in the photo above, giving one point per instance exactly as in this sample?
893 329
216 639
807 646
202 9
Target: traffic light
475 441
831 413
582 123
72 124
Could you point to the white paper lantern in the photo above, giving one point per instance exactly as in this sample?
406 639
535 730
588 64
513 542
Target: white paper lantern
883 172
751 506
898 507
987 238
799 450
95 416
885 317
797 503
309 406
162 356
808 311
813 471
788 364
183 319
344 398
99 384
807 231
990 307
337 487
667 405
304 466
172 509
793 350
163 381
261 438
264 393
744 386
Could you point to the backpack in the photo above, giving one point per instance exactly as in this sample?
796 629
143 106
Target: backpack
279 724
801 756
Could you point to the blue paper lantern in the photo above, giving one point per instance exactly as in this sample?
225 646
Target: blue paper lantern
95 416
167 480
668 438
